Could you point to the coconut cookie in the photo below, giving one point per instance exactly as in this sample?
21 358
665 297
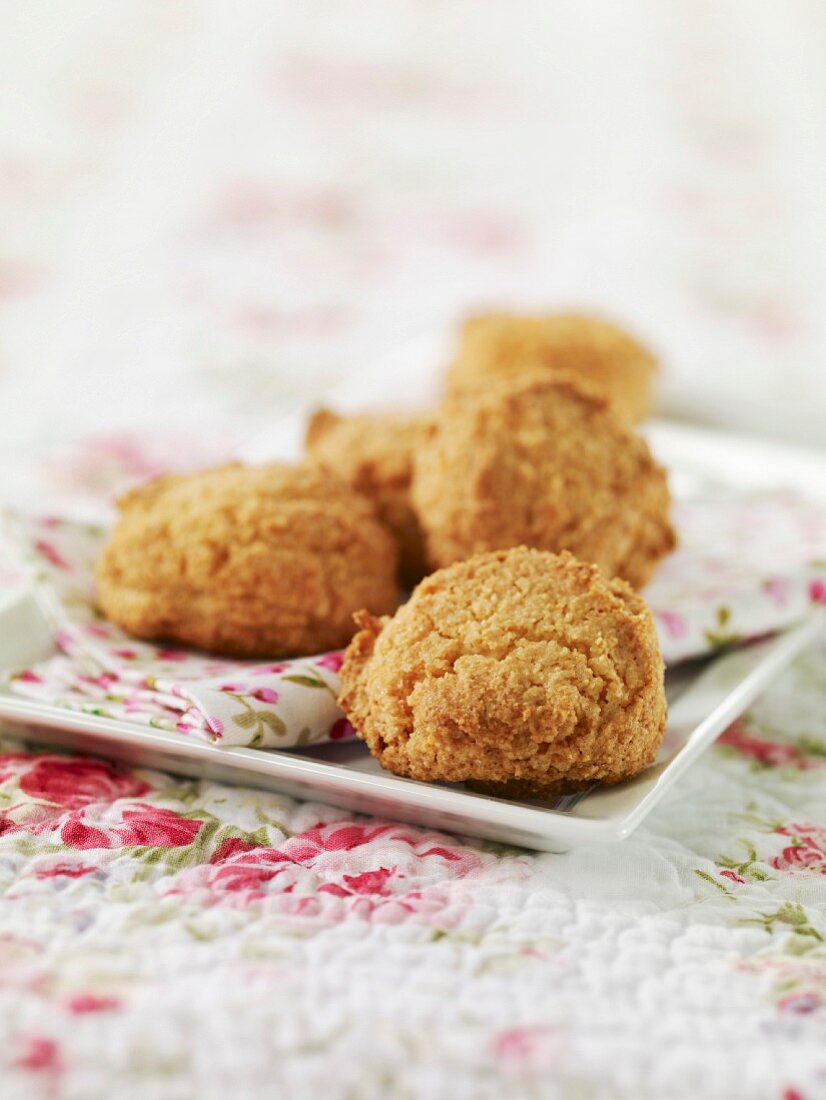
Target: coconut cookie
251 562
546 465
601 356
522 671
374 454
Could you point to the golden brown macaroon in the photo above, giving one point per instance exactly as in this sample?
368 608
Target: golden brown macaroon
374 453
546 465
500 346
524 672
247 561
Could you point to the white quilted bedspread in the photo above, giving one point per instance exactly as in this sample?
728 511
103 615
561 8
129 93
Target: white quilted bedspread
210 213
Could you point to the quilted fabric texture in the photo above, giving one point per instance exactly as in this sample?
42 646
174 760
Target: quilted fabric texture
210 213
181 938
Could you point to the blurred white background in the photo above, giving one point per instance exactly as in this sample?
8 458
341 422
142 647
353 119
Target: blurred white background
210 212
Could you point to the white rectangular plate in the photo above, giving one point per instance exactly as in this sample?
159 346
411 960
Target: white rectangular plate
703 701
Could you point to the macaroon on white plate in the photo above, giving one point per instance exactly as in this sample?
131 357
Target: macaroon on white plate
703 701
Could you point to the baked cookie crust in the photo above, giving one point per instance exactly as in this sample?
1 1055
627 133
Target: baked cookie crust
247 561
543 464
599 355
374 454
525 672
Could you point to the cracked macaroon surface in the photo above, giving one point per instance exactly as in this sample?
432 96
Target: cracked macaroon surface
247 561
520 671
374 454
547 465
500 346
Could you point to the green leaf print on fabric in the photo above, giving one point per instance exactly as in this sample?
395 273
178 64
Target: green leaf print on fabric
305 681
722 635
712 881
257 722
308 681
790 913
746 868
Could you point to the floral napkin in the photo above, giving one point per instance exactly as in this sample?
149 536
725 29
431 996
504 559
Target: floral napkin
746 566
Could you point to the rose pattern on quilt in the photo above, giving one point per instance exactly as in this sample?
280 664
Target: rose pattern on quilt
614 966
805 753
806 850
254 890
331 873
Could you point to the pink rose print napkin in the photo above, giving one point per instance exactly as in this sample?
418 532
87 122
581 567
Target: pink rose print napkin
746 566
